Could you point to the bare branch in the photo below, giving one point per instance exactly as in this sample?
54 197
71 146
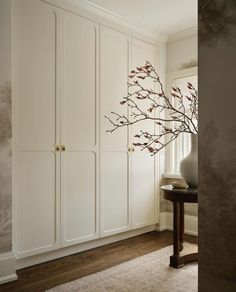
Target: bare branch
178 120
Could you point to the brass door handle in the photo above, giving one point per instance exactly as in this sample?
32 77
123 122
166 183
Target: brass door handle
63 148
130 149
57 148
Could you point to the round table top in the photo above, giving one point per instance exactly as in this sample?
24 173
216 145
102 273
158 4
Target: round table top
187 195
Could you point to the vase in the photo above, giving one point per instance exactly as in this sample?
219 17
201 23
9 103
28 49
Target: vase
189 164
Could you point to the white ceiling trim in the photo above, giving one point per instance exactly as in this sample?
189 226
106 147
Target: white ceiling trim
182 34
86 4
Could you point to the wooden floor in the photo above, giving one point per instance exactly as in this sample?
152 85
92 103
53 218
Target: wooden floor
47 275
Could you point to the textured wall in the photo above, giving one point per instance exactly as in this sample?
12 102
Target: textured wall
5 128
5 168
217 146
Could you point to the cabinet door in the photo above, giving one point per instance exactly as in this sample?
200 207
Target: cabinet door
35 104
143 166
80 132
115 195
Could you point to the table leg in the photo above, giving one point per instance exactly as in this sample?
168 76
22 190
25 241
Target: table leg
181 226
174 259
176 234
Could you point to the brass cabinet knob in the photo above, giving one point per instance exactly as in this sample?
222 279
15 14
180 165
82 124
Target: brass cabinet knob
63 147
130 149
57 148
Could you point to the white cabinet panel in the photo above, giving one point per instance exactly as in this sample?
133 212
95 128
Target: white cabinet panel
36 166
144 201
36 201
35 57
143 166
79 202
142 52
114 62
79 92
115 189
115 196
80 131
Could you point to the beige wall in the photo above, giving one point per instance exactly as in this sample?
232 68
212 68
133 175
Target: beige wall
178 53
181 52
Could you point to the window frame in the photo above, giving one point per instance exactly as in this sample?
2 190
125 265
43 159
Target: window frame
173 149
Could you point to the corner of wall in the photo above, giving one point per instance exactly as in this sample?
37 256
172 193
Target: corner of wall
190 222
7 267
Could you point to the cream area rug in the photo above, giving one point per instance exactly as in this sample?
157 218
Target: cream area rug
147 273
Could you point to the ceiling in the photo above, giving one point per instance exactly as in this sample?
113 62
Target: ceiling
164 16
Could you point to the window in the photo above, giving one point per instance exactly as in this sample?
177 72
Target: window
180 147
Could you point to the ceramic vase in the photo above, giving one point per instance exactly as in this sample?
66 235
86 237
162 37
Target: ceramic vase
189 165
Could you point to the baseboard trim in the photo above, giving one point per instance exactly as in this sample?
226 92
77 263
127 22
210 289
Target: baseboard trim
8 278
7 267
166 219
52 255
166 223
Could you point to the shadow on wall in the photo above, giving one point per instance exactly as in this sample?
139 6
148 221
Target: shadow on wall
5 169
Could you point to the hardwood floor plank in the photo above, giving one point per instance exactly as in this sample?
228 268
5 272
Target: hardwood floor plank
44 276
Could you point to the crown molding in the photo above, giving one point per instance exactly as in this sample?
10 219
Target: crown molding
123 24
121 20
182 34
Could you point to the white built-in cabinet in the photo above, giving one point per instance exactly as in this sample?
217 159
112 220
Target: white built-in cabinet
74 182
128 179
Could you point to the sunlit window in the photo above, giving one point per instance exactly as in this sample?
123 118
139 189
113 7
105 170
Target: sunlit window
181 146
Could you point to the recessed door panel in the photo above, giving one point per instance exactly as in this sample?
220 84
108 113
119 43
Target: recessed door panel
115 189
36 201
79 106
142 52
144 202
113 77
35 63
79 202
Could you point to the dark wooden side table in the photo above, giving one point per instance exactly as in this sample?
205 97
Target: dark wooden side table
178 197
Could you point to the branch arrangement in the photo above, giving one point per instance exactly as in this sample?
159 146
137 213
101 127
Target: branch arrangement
180 111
